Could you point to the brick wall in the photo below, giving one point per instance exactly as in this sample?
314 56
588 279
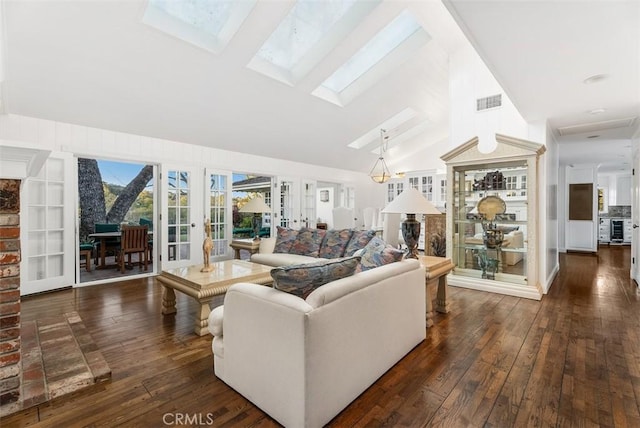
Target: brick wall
10 375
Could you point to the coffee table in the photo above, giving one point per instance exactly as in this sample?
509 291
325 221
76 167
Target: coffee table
204 286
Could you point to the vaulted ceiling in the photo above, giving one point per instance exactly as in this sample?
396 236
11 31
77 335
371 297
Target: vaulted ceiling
97 63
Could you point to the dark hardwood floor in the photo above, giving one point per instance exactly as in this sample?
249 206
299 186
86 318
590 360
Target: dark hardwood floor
572 359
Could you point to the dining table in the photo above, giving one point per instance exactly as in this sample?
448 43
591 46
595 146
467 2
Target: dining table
103 237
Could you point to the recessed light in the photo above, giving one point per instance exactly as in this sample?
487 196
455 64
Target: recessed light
595 78
592 136
596 111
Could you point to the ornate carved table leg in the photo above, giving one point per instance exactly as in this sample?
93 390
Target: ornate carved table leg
442 305
202 319
436 270
168 300
429 302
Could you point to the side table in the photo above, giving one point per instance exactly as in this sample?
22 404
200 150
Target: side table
244 244
436 270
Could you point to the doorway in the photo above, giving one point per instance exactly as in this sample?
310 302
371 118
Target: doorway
112 194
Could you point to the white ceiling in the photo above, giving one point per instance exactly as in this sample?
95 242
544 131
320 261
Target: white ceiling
94 63
542 51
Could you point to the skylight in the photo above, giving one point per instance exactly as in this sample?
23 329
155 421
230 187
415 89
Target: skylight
370 54
300 30
309 31
204 23
385 51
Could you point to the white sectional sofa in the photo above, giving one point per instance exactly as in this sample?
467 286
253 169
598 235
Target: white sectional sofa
303 361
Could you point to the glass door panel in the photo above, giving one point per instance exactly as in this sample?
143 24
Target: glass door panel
308 204
182 231
218 208
49 256
289 203
475 253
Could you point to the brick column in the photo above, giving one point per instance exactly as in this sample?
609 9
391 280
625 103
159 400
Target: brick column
10 371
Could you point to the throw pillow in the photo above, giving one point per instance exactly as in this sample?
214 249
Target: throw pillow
334 243
359 240
301 280
284 239
378 253
308 241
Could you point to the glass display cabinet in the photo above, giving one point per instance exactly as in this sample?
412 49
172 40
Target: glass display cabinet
492 217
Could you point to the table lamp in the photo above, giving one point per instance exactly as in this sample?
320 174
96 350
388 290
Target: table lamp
411 202
257 207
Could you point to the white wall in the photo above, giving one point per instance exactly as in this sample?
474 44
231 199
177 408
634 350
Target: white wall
324 209
548 233
85 141
469 80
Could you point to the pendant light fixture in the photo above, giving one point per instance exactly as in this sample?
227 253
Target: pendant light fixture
380 173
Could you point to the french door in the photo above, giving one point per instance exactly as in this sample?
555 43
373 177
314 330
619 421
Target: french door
182 219
48 237
287 205
308 217
218 208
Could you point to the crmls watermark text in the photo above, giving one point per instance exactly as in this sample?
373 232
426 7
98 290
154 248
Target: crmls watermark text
177 419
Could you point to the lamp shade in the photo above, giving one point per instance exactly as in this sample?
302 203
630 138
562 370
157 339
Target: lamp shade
410 201
380 172
255 205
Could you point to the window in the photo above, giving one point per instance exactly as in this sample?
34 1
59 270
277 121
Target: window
391 193
399 188
443 190
388 49
207 24
310 30
414 182
511 182
427 187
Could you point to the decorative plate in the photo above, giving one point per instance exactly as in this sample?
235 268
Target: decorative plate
489 206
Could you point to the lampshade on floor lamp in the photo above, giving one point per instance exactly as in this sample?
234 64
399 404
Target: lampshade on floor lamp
257 207
411 202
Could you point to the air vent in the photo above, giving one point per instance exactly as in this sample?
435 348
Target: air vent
596 126
488 102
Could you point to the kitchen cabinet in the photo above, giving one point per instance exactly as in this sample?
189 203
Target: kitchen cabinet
615 189
604 230
623 190
627 230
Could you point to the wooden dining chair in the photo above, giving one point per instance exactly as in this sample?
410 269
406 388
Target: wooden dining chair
134 240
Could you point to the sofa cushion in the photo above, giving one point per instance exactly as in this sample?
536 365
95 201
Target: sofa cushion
308 241
281 259
334 243
359 240
301 280
378 253
284 239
